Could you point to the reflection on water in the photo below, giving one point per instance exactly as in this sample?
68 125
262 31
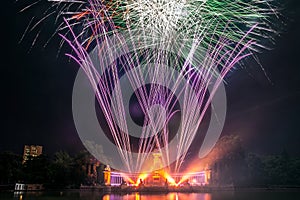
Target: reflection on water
169 196
18 195
88 195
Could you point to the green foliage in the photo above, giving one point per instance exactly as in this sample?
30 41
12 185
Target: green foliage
281 169
231 165
66 171
35 169
235 167
256 170
10 167
61 171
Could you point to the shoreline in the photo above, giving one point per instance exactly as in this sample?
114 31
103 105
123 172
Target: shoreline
184 189
164 189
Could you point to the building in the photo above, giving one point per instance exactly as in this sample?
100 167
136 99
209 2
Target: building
159 177
28 187
93 171
201 178
31 151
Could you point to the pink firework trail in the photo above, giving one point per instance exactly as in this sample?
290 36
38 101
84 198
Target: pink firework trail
170 51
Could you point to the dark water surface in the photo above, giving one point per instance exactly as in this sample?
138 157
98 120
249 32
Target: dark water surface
228 195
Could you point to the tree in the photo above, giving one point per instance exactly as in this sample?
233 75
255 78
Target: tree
229 164
79 168
60 170
282 169
256 172
35 169
10 168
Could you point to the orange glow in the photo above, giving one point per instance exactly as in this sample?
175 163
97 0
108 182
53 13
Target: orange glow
162 177
106 197
183 179
173 196
128 179
169 178
207 196
141 177
80 15
137 196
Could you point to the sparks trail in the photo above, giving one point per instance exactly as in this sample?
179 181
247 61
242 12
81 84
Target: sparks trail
164 19
185 46
194 105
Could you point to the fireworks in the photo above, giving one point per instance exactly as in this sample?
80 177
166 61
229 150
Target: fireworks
174 53
163 21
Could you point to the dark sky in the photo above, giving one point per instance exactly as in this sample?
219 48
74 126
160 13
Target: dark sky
37 88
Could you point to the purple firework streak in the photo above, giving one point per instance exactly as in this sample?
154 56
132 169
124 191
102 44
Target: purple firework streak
170 51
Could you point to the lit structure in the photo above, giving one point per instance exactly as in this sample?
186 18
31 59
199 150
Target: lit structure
93 170
31 150
157 177
107 175
161 179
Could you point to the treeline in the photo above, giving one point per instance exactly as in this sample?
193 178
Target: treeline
274 170
60 171
232 164
229 162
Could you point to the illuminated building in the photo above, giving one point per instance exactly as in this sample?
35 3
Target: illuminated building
160 177
157 179
92 168
107 175
31 151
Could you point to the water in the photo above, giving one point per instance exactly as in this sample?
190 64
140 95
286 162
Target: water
228 195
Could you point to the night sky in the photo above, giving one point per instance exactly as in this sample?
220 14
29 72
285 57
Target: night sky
37 87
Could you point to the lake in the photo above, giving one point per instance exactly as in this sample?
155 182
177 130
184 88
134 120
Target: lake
222 195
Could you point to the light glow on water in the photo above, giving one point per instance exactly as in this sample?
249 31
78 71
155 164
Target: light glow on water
169 196
214 195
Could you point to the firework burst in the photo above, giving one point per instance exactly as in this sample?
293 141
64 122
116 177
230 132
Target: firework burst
200 40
